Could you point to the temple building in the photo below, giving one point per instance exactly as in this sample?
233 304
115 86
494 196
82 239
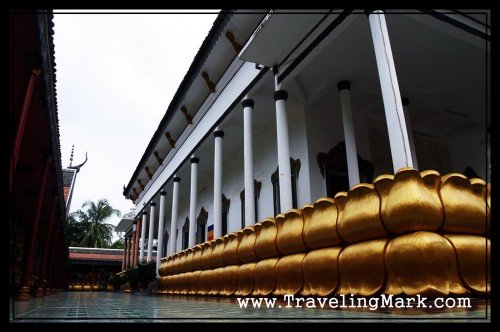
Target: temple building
281 109
37 203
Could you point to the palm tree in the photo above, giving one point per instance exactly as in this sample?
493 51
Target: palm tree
93 231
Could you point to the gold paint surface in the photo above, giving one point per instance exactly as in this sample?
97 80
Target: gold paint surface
320 271
265 277
229 281
196 261
413 202
217 257
383 184
422 263
245 276
231 249
340 199
195 282
206 252
473 261
181 262
265 242
188 265
320 224
360 219
204 282
361 268
175 263
289 278
246 249
289 238
215 280
464 208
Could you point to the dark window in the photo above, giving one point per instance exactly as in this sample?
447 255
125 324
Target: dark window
336 180
224 222
295 168
201 233
185 234
256 200
276 197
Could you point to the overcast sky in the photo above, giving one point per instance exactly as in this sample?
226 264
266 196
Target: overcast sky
116 75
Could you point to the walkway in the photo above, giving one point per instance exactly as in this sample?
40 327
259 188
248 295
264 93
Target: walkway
121 307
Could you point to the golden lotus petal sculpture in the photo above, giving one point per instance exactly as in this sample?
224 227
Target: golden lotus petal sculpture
289 279
204 282
231 248
265 277
320 224
340 199
383 184
185 283
195 282
162 283
188 265
481 190
422 263
215 279
320 270
246 249
473 261
245 276
181 264
217 257
289 238
206 252
464 206
265 242
411 201
229 280
175 263
361 267
196 261
360 219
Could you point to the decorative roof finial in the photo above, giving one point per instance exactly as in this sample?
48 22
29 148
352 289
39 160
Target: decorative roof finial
77 167
71 157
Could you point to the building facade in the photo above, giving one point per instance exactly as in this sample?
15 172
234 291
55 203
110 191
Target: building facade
37 202
280 108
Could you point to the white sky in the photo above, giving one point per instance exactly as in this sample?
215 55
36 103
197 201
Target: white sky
116 75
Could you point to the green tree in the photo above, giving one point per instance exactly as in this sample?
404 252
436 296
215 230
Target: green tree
75 231
118 244
90 227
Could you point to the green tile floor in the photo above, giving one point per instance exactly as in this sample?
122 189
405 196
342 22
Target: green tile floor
122 307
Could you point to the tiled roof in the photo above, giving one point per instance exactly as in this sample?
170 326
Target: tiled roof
66 194
101 257
67 177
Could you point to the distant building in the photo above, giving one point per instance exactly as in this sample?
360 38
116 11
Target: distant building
93 266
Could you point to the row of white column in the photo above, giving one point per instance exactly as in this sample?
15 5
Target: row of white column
400 138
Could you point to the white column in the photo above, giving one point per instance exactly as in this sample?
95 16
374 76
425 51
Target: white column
192 201
151 232
396 125
173 221
218 135
285 175
248 162
143 235
161 223
409 129
349 135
